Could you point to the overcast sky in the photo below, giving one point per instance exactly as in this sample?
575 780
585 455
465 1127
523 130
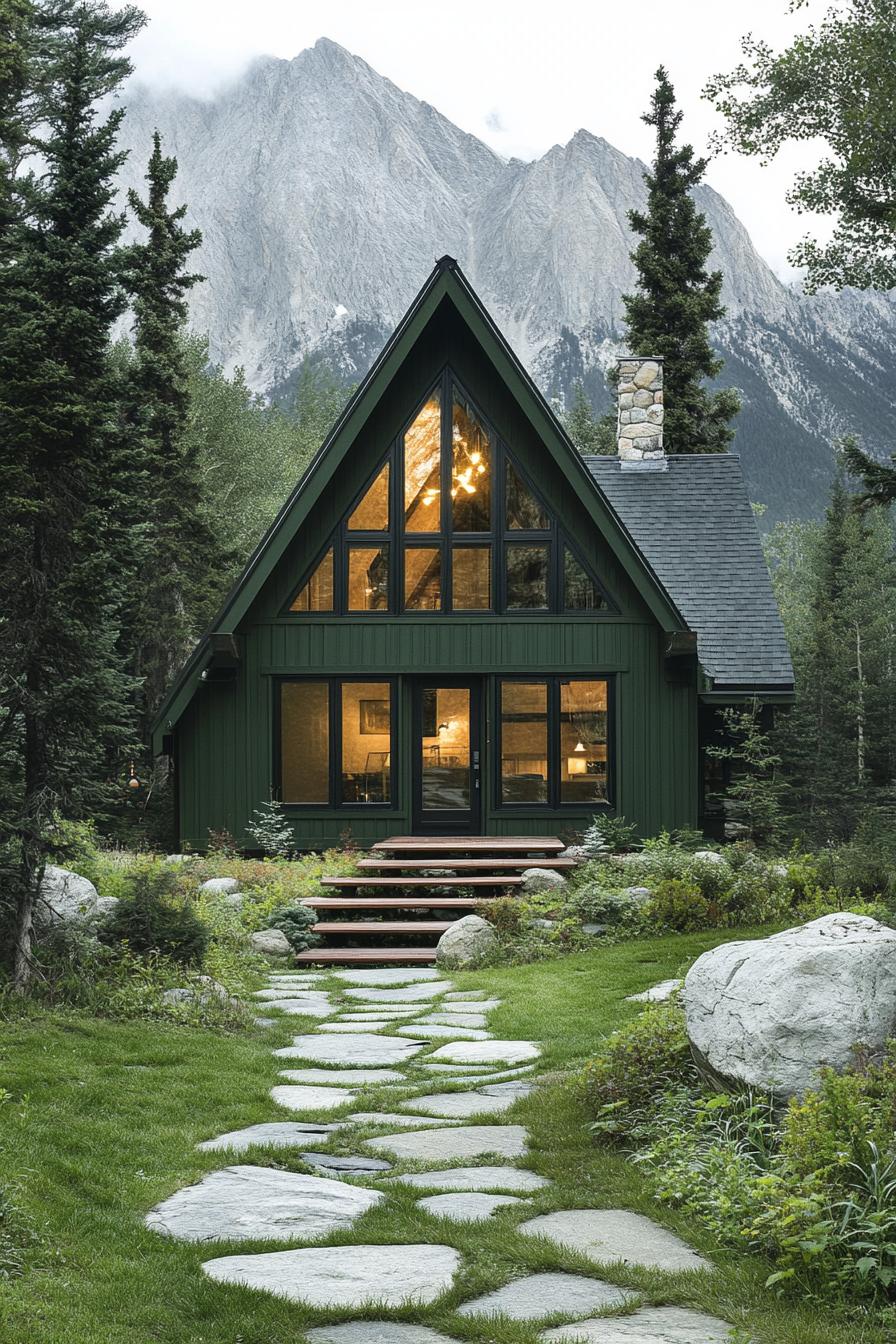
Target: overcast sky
522 76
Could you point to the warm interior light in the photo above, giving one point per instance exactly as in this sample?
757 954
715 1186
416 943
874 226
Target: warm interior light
576 765
579 746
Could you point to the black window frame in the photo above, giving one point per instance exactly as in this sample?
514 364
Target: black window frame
334 685
553 802
499 535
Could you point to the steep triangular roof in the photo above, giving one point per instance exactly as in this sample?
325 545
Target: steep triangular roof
446 284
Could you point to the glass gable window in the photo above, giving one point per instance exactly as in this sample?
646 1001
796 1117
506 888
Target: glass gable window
450 523
336 742
554 742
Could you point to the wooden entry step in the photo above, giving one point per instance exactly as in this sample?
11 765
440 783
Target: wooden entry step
367 956
492 845
390 883
393 902
465 865
380 926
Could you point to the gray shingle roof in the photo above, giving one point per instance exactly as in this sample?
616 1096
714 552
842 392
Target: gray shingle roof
691 519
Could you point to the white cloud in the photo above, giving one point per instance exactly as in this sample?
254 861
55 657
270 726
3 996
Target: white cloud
522 76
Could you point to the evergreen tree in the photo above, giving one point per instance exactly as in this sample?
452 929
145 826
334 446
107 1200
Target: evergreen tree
64 716
589 433
179 558
678 297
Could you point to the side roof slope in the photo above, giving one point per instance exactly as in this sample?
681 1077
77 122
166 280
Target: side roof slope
693 523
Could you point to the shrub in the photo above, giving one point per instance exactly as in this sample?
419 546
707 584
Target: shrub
595 903
613 835
507 914
152 920
297 922
271 831
679 907
637 1064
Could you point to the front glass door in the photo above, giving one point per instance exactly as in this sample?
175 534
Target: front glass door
447 756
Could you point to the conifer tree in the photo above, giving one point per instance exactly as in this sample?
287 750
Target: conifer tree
677 296
589 433
65 696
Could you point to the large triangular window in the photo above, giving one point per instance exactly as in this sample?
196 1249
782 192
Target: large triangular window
449 522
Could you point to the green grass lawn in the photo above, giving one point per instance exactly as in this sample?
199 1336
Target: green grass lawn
104 1121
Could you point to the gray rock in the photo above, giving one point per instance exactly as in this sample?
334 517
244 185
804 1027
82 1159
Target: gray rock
577 852
595 930
474 1178
310 1098
541 879
438 1031
65 897
637 894
650 1325
470 941
258 1204
375 1332
106 906
347 1163
770 1013
466 1207
351 1028
276 1134
710 856
205 990
657 993
180 858
234 899
342 1077
328 1276
409 994
361 1048
615 1234
486 1052
289 991
388 975
270 942
458 1105
474 1021
542 923
319 1006
221 886
461 1143
382 1013
539 1295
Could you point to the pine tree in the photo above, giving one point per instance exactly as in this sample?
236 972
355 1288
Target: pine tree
179 556
65 697
589 433
678 297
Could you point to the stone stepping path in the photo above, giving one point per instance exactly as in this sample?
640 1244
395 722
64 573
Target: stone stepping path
388 975
300 1007
289 992
651 1325
260 1204
310 1098
325 1276
341 1077
616 1234
389 1118
379 1014
477 1020
465 1006
459 1104
278 1134
439 1032
376 1332
359 1048
466 1207
540 1295
474 1178
347 1164
464 1073
657 993
487 1052
411 994
347 1028
467 994
463 1142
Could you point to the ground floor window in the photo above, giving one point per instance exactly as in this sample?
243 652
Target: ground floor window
336 741
554 741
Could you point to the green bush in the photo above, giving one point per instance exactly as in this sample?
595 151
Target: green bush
152 919
679 907
613 834
297 923
638 1063
507 914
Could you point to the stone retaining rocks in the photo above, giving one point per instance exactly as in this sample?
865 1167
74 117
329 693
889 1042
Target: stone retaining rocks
470 941
326 1276
541 879
770 1013
270 942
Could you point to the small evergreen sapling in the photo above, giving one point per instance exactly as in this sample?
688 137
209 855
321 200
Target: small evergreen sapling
271 831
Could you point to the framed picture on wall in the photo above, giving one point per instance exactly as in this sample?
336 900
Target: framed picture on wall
373 717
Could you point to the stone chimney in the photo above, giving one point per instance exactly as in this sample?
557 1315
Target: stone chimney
639 424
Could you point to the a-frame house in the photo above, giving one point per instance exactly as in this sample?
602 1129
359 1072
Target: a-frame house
458 624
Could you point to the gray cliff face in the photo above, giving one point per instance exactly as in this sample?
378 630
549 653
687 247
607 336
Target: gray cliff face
324 194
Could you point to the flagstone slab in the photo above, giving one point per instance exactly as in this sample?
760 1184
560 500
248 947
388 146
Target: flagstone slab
265 1021
486 1052
359 1048
245 1203
410 994
342 1077
657 993
289 991
444 1145
616 1234
437 1031
301 1007
461 994
382 1013
389 975
347 1028
514 1087
345 1164
474 1178
650 1325
469 1006
466 1206
460 1074
376 1332
301 1098
458 1105
277 1134
539 1295
339 1276
288 978
476 1020
385 1118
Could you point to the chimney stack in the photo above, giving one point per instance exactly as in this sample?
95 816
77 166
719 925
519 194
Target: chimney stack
639 423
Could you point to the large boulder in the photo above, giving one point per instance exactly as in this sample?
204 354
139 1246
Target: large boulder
221 886
65 897
541 879
469 942
270 942
769 1014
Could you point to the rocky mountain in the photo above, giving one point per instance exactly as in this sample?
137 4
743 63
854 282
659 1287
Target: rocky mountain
324 193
